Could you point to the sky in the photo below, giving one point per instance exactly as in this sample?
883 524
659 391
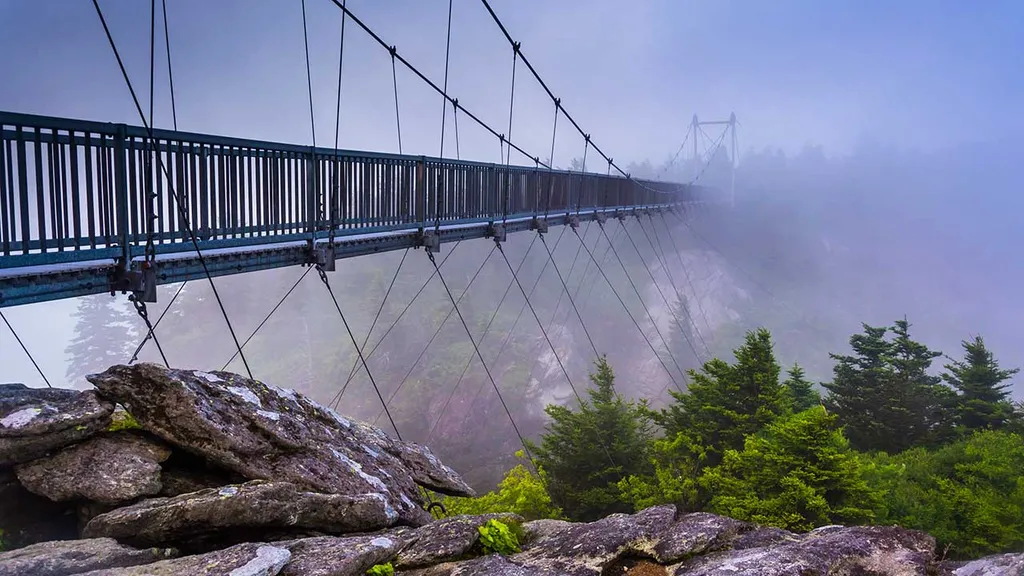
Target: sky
915 74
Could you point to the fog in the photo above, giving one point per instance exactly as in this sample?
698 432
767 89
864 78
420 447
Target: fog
878 177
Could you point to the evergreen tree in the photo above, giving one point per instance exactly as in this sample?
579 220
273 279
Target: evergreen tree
801 473
585 452
799 390
883 394
724 402
984 400
106 333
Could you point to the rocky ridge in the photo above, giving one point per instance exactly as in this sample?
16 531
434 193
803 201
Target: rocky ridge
216 474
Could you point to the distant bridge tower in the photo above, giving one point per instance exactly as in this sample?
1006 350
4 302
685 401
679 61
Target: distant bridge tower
711 146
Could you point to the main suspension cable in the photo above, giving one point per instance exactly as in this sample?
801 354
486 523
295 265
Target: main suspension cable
25 349
433 85
175 193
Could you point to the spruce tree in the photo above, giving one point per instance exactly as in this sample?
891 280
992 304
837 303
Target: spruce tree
800 391
883 395
801 473
725 402
984 400
586 451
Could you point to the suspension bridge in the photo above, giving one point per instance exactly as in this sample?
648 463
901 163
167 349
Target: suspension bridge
88 207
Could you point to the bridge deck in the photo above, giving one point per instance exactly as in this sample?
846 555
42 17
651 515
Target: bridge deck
75 198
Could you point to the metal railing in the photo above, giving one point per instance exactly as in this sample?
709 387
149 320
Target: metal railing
73 190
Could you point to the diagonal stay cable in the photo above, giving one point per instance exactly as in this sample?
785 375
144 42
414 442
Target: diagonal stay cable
547 339
512 329
25 349
175 193
664 299
657 330
336 401
440 326
566 291
476 348
689 280
672 281
469 361
623 303
267 318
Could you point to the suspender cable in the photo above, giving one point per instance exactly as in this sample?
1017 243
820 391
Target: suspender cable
309 76
433 85
455 119
444 111
175 194
551 161
616 293
336 401
267 318
522 440
487 328
440 326
25 349
174 120
398 117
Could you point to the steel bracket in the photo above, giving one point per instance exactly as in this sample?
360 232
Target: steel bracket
539 224
430 241
572 220
497 232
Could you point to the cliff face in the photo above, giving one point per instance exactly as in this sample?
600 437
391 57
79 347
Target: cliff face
216 474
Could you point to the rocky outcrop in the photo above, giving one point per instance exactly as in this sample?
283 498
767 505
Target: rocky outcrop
128 462
76 557
208 518
265 432
216 474
35 421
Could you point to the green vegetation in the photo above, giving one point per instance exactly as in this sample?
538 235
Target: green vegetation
889 443
122 420
496 537
382 570
3 544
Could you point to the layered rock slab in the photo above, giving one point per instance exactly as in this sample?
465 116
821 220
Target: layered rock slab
109 469
265 432
333 556
249 559
446 540
251 511
35 421
75 557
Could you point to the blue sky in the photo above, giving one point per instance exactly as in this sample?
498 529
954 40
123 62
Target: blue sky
911 74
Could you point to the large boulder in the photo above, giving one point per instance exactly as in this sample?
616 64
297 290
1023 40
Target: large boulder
256 510
998 565
447 540
827 550
332 556
248 559
35 421
265 432
75 557
109 468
